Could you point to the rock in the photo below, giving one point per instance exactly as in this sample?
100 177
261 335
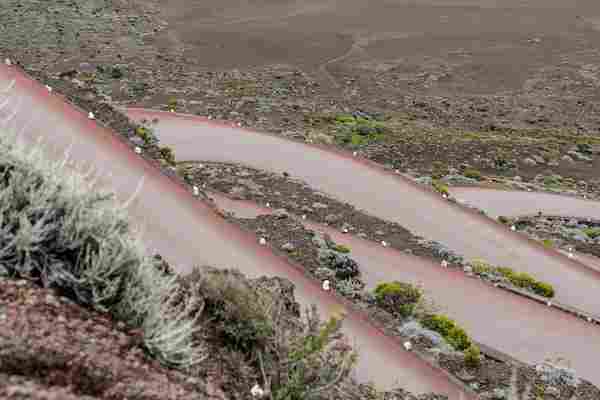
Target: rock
529 161
578 156
281 213
138 141
566 158
552 391
518 179
330 218
538 159
320 205
289 247
344 266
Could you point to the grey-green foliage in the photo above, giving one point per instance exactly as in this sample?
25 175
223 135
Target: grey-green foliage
56 228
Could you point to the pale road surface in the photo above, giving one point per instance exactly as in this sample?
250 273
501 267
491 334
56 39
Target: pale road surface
187 232
382 194
519 203
524 329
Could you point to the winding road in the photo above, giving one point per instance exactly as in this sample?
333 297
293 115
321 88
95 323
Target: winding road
383 194
187 232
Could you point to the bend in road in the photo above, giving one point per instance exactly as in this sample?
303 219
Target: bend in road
381 194
524 329
188 232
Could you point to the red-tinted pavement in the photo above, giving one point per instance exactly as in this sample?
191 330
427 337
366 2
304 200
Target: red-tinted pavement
187 232
524 329
380 193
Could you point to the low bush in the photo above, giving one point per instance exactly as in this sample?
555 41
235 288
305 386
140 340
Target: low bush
472 173
454 334
522 280
440 187
503 220
592 233
481 267
526 281
548 243
341 248
472 356
167 154
59 231
399 298
543 289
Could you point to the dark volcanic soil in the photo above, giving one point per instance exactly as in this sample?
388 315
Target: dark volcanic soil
462 82
295 196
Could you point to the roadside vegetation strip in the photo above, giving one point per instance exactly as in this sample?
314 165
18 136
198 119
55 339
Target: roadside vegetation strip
397 306
58 230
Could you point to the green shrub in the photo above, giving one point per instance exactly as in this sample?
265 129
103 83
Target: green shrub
458 338
397 297
543 289
592 233
167 154
341 248
440 187
232 308
503 220
472 173
142 132
547 242
58 230
454 334
438 323
472 356
506 272
480 267
522 280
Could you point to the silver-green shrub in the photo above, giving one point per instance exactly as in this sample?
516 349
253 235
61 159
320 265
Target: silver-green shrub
56 228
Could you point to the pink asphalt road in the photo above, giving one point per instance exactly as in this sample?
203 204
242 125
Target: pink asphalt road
524 329
518 203
380 193
188 232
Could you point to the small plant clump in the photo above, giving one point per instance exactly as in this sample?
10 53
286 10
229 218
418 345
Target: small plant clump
526 281
399 298
167 154
472 173
342 248
472 356
454 334
519 279
440 187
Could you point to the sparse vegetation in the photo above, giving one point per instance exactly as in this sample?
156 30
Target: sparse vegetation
59 231
399 298
454 334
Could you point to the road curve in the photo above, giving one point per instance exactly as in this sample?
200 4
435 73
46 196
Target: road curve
379 193
514 203
188 232
524 329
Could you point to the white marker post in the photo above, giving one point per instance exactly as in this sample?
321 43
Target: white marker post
8 62
196 191
444 264
408 346
257 391
326 285
262 241
513 228
91 115
48 88
138 150
384 243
